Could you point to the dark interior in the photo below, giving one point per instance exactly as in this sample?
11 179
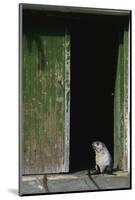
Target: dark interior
94 52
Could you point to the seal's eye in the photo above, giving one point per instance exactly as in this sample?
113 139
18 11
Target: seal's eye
97 143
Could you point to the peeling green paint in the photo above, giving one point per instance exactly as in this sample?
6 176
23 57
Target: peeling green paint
43 84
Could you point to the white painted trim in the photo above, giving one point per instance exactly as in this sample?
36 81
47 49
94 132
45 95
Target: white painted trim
67 101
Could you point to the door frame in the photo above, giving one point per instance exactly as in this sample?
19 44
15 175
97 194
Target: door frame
67 100
122 102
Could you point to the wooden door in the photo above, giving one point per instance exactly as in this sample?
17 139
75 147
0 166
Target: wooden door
45 95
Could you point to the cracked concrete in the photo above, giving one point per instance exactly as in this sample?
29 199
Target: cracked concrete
73 182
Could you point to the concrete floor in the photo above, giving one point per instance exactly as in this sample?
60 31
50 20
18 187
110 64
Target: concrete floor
73 182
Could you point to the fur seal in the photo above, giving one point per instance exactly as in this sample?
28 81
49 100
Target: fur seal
103 157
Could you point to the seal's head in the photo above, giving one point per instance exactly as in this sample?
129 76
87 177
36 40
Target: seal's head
98 146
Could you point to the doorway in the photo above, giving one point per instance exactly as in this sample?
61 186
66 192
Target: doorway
97 44
94 54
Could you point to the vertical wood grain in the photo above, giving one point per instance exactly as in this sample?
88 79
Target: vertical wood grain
121 106
67 100
44 104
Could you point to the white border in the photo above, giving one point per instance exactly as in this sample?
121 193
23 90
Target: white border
9 98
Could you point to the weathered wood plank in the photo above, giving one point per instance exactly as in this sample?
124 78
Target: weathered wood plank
126 147
44 98
73 183
121 105
67 100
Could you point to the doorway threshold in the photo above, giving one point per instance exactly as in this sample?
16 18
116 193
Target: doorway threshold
73 182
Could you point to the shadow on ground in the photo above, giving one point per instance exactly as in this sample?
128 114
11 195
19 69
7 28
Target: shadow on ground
13 191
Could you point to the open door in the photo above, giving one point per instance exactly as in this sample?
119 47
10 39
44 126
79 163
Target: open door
45 94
